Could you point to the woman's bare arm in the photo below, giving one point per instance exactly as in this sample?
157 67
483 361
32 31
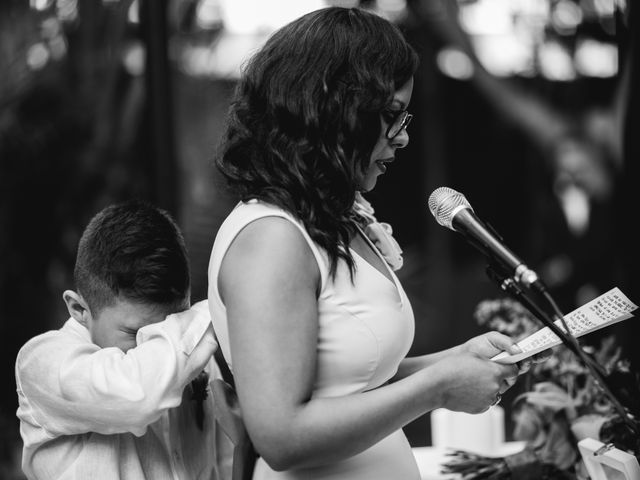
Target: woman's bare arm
268 281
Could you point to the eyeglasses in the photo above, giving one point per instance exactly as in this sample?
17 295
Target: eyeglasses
398 121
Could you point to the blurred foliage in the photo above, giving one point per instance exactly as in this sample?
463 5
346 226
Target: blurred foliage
68 137
70 118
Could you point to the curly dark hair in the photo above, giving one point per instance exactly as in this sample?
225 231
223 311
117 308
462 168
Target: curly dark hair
306 116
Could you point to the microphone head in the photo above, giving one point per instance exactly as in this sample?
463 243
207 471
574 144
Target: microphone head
444 203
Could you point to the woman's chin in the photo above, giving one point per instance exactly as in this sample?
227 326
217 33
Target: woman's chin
368 184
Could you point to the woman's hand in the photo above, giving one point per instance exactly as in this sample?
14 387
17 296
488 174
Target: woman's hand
473 384
526 364
490 344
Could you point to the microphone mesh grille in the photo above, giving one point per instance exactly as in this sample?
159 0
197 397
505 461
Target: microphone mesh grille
444 203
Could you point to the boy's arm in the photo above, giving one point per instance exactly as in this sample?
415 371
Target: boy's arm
67 386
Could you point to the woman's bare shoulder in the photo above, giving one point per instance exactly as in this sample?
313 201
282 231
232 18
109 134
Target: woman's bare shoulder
270 248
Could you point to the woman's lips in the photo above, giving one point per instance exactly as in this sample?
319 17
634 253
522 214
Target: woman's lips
382 164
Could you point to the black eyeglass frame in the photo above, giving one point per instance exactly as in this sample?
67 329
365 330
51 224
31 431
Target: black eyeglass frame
400 122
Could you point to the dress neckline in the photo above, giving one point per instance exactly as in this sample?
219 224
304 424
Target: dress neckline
392 279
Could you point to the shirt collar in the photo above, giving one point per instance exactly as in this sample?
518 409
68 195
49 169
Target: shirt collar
76 328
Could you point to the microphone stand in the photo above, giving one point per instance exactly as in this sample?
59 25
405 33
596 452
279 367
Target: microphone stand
511 286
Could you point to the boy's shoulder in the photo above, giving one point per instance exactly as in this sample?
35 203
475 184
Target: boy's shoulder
70 331
43 346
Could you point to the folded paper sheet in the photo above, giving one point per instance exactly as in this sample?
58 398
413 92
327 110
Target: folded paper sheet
607 309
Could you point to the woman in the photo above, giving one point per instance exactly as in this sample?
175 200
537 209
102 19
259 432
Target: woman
310 317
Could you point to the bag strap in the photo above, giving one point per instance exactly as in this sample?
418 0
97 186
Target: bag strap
227 376
227 412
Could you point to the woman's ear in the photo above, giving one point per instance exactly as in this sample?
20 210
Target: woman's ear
77 307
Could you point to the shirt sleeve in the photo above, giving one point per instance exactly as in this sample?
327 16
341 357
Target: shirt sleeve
68 386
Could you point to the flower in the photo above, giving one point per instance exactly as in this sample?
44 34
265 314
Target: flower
506 316
564 405
199 393
380 234
363 209
542 420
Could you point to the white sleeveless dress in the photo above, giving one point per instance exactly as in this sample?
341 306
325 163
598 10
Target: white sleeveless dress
365 330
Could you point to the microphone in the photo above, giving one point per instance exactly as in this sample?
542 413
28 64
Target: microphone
452 210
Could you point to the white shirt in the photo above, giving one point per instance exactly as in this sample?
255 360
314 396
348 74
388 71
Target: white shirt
90 412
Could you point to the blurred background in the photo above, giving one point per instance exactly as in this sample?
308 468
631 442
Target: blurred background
527 107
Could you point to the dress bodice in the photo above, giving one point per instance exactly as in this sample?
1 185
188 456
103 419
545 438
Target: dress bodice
365 329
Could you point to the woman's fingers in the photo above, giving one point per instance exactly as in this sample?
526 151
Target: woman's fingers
524 366
507 383
542 356
503 343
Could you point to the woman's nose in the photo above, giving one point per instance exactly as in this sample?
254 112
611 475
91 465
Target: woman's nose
401 140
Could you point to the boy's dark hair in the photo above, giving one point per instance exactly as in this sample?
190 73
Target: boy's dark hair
132 250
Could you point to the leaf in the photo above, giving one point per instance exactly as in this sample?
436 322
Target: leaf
547 395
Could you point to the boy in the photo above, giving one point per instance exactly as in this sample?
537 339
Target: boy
120 391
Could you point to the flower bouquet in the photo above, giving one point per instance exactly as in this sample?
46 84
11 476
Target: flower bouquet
562 405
